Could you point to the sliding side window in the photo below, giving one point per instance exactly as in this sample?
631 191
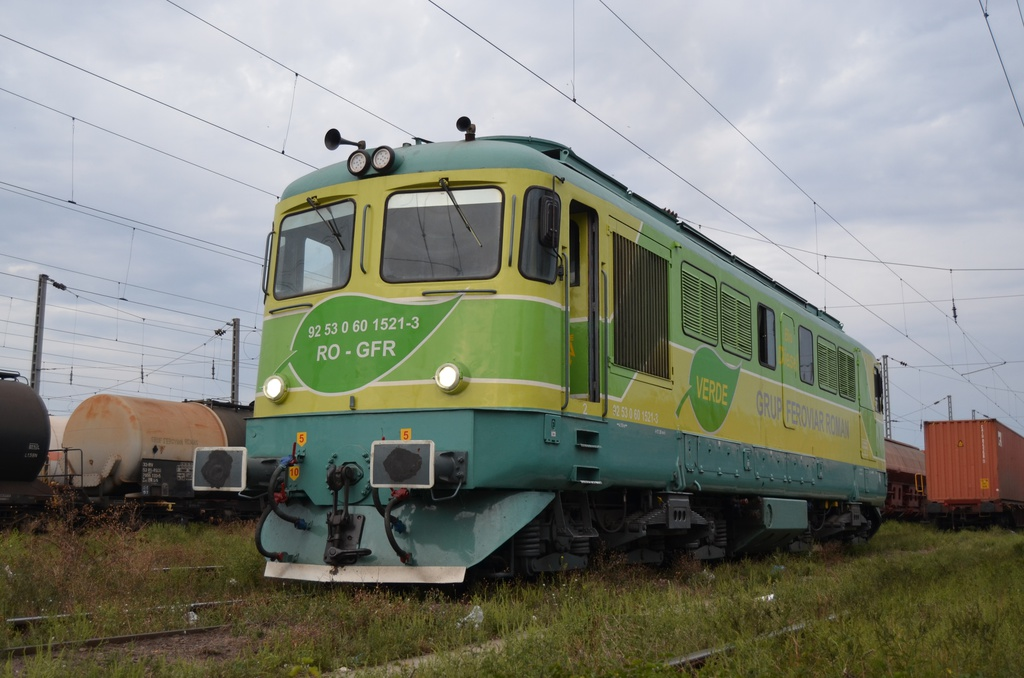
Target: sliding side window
806 355
766 343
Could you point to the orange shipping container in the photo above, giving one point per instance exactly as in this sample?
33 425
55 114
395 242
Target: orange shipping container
973 462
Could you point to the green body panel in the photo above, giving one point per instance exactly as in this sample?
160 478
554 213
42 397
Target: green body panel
514 449
331 362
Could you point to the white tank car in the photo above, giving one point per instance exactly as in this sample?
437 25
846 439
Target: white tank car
127 445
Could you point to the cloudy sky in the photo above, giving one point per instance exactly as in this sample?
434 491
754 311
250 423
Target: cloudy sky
868 155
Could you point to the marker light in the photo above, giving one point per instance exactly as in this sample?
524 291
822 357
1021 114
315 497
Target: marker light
383 159
449 378
359 162
275 389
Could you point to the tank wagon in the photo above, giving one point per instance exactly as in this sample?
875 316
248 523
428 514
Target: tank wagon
140 448
24 442
905 469
975 473
488 355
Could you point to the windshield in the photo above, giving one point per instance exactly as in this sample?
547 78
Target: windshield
314 252
428 237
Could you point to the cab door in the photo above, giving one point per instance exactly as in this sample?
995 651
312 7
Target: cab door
790 365
584 312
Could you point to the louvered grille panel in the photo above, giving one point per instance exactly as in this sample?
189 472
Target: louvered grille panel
709 311
728 320
737 325
827 367
745 330
700 304
847 375
641 308
691 300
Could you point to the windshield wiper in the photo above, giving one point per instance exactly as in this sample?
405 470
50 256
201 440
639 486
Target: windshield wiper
451 196
330 224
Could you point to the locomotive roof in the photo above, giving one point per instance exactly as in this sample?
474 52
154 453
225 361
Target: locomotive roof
545 156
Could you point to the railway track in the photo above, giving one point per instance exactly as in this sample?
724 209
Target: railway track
30 650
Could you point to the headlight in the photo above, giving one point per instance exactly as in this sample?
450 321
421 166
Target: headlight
383 159
449 378
359 162
275 389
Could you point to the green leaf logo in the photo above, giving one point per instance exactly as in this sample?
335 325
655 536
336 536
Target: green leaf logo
344 343
712 388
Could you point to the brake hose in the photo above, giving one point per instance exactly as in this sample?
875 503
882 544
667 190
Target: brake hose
277 497
272 555
397 496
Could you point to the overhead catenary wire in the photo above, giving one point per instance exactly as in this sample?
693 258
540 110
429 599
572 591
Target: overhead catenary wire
287 68
117 219
154 99
999 55
574 99
862 305
139 143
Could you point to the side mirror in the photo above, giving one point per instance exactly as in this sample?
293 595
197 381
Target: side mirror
548 222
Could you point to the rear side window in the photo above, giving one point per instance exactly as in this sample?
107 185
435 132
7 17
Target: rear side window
766 350
806 355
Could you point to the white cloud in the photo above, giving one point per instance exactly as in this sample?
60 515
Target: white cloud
896 119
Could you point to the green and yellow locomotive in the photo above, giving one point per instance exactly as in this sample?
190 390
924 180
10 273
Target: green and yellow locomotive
487 355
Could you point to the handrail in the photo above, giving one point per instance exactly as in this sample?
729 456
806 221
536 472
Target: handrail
266 262
512 231
362 241
434 293
604 352
289 308
565 330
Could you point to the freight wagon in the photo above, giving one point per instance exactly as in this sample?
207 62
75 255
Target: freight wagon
24 437
145 448
905 498
975 473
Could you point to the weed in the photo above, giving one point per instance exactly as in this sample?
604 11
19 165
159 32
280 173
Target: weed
914 601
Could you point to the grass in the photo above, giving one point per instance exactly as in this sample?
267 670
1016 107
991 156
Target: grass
913 602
